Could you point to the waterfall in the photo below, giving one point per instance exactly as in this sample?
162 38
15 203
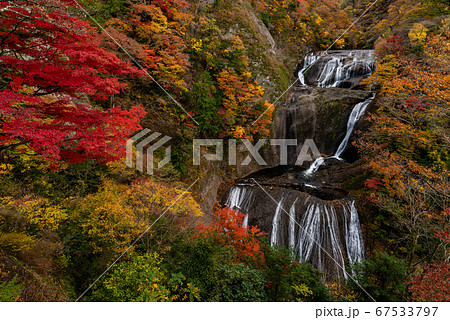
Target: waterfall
240 199
292 225
245 221
315 166
324 235
309 227
319 231
337 69
274 238
309 60
318 221
356 114
353 238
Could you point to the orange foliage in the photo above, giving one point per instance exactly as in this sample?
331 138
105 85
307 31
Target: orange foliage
239 97
408 142
313 23
153 35
227 229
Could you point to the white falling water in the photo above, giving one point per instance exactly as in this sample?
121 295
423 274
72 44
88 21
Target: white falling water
309 60
338 68
357 112
319 238
245 221
331 71
315 166
334 240
274 237
308 238
292 225
353 237
240 199
325 234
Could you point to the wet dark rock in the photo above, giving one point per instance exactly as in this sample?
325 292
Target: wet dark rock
320 114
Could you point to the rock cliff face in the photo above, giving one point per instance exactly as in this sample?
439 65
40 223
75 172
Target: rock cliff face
306 208
266 59
316 113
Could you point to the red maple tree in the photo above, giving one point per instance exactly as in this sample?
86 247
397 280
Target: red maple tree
433 283
227 228
52 66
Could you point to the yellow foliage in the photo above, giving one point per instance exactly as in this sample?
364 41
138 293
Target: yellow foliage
15 242
5 168
302 291
37 210
387 70
118 214
196 45
238 132
340 292
418 34
147 195
340 43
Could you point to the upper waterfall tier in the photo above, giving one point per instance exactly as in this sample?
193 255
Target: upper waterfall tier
336 69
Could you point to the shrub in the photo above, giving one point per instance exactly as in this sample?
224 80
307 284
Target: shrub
142 279
288 280
103 225
200 259
212 268
15 242
227 230
238 282
431 285
382 276
10 290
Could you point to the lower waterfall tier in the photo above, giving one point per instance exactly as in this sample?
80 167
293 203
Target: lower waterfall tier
326 233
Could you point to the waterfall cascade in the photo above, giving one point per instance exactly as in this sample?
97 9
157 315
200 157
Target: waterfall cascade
316 220
240 199
356 114
336 69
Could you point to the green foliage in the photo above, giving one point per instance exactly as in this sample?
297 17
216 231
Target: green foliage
435 8
211 267
205 100
240 283
382 276
130 280
73 179
10 290
142 279
288 280
181 155
200 261
104 10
